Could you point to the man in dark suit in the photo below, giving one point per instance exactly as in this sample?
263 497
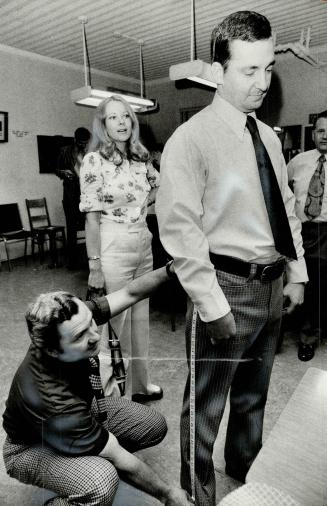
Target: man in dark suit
68 167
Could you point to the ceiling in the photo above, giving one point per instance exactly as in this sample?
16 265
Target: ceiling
51 28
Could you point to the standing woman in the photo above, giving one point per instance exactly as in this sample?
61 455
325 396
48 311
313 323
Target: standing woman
117 184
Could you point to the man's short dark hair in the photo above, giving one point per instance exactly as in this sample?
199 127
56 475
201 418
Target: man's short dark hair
82 135
242 25
322 114
43 316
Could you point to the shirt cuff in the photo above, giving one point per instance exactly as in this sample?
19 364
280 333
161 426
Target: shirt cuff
296 271
212 307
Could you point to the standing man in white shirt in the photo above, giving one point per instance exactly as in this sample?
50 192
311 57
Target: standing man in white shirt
226 215
306 173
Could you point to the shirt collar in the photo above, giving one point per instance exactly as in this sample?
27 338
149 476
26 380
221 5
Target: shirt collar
318 155
235 119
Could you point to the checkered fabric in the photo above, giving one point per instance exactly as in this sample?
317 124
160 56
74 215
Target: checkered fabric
86 480
258 494
257 308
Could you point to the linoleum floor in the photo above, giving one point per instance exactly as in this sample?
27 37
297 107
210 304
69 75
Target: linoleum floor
167 366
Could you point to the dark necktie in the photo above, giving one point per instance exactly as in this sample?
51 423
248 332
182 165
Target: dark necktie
313 203
274 202
96 384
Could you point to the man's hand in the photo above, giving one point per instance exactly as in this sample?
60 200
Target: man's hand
141 475
178 497
222 328
67 174
294 293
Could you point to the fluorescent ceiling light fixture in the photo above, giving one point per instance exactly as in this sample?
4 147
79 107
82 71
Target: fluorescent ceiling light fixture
91 97
195 70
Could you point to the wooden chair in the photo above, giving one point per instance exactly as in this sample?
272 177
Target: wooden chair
11 229
42 229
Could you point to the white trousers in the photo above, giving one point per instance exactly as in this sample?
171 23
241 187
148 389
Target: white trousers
125 255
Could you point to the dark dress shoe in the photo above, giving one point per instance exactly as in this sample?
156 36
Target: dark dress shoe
305 352
155 396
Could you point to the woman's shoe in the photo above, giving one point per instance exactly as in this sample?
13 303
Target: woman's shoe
305 352
155 394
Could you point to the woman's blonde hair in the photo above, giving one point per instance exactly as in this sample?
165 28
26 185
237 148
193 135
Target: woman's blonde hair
106 146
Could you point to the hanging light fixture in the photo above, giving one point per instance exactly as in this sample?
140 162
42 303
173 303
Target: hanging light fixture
195 70
91 97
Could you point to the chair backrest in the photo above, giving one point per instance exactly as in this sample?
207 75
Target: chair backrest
10 220
38 213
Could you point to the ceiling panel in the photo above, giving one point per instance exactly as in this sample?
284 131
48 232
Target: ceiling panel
51 28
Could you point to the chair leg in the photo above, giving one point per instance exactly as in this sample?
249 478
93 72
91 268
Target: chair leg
8 257
25 251
40 243
53 249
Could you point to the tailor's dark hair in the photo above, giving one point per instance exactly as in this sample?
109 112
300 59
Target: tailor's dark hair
43 316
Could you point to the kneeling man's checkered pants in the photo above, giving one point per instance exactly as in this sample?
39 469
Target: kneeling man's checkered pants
90 480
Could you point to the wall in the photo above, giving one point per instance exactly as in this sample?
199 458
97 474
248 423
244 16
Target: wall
172 97
35 91
297 90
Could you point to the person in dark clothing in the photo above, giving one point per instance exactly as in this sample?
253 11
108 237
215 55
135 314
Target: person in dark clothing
68 167
62 433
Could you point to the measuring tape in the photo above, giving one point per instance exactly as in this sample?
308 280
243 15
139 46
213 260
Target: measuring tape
192 395
192 403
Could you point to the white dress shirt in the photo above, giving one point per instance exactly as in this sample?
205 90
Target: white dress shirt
210 199
300 171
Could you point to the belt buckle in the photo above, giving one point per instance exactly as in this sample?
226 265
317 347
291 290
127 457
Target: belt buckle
273 271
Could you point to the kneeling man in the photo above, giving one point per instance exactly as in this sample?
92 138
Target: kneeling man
62 433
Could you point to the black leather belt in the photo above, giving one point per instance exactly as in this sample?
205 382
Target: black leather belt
264 272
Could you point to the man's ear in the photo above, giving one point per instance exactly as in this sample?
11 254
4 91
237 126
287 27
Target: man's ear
217 72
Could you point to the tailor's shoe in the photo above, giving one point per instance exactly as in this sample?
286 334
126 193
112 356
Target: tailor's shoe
305 352
156 395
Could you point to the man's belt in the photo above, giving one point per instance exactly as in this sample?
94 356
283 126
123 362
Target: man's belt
264 272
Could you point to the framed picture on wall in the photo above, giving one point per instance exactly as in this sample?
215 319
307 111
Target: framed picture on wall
3 126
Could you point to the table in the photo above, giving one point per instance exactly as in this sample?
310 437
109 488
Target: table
294 456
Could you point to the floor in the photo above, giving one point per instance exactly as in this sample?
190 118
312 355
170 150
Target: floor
168 368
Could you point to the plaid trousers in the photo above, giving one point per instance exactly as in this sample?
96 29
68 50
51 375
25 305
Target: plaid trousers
86 480
257 309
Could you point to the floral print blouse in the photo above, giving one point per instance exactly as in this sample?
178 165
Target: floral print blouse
120 192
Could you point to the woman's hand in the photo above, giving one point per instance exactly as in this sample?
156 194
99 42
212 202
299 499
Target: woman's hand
96 279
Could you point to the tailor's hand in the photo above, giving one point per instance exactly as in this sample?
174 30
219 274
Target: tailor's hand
96 279
178 497
222 328
294 293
